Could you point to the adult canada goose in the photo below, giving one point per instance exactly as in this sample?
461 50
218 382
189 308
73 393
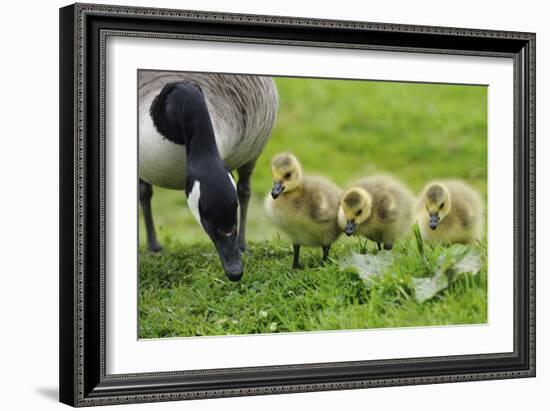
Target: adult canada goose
194 128
450 212
377 207
304 208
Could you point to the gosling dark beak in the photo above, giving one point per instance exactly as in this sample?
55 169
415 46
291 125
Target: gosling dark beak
350 228
278 188
434 220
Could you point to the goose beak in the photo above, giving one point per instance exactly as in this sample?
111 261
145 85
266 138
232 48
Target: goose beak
278 188
230 256
227 246
350 228
434 220
233 271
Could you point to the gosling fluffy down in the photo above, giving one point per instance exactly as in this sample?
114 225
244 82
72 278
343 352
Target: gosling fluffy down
303 207
379 208
450 212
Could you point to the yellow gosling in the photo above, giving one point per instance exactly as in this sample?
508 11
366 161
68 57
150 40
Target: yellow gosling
379 208
303 207
450 212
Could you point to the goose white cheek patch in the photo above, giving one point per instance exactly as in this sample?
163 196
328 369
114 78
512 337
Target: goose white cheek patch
232 181
193 201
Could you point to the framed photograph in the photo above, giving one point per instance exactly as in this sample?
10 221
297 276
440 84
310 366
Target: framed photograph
261 204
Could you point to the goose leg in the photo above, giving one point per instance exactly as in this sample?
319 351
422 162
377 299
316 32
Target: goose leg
243 191
145 195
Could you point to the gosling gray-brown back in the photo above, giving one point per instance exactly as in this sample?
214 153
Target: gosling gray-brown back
450 212
303 207
379 208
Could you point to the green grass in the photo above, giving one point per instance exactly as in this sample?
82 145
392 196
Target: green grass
184 293
343 130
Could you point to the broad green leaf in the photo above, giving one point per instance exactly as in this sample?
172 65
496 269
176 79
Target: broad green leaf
457 259
367 265
470 263
426 288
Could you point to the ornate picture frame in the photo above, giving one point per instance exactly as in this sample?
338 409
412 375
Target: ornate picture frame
84 29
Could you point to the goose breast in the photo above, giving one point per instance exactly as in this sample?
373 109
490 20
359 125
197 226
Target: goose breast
242 109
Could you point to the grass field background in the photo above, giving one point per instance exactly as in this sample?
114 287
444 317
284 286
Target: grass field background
343 130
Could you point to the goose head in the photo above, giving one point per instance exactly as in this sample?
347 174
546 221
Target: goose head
355 208
287 174
213 202
437 203
180 114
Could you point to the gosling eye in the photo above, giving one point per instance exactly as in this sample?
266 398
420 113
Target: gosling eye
359 213
441 206
287 175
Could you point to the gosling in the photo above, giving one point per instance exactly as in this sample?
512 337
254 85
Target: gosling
450 212
303 207
379 208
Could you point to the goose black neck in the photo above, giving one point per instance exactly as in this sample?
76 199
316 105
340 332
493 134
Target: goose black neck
200 140
181 115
